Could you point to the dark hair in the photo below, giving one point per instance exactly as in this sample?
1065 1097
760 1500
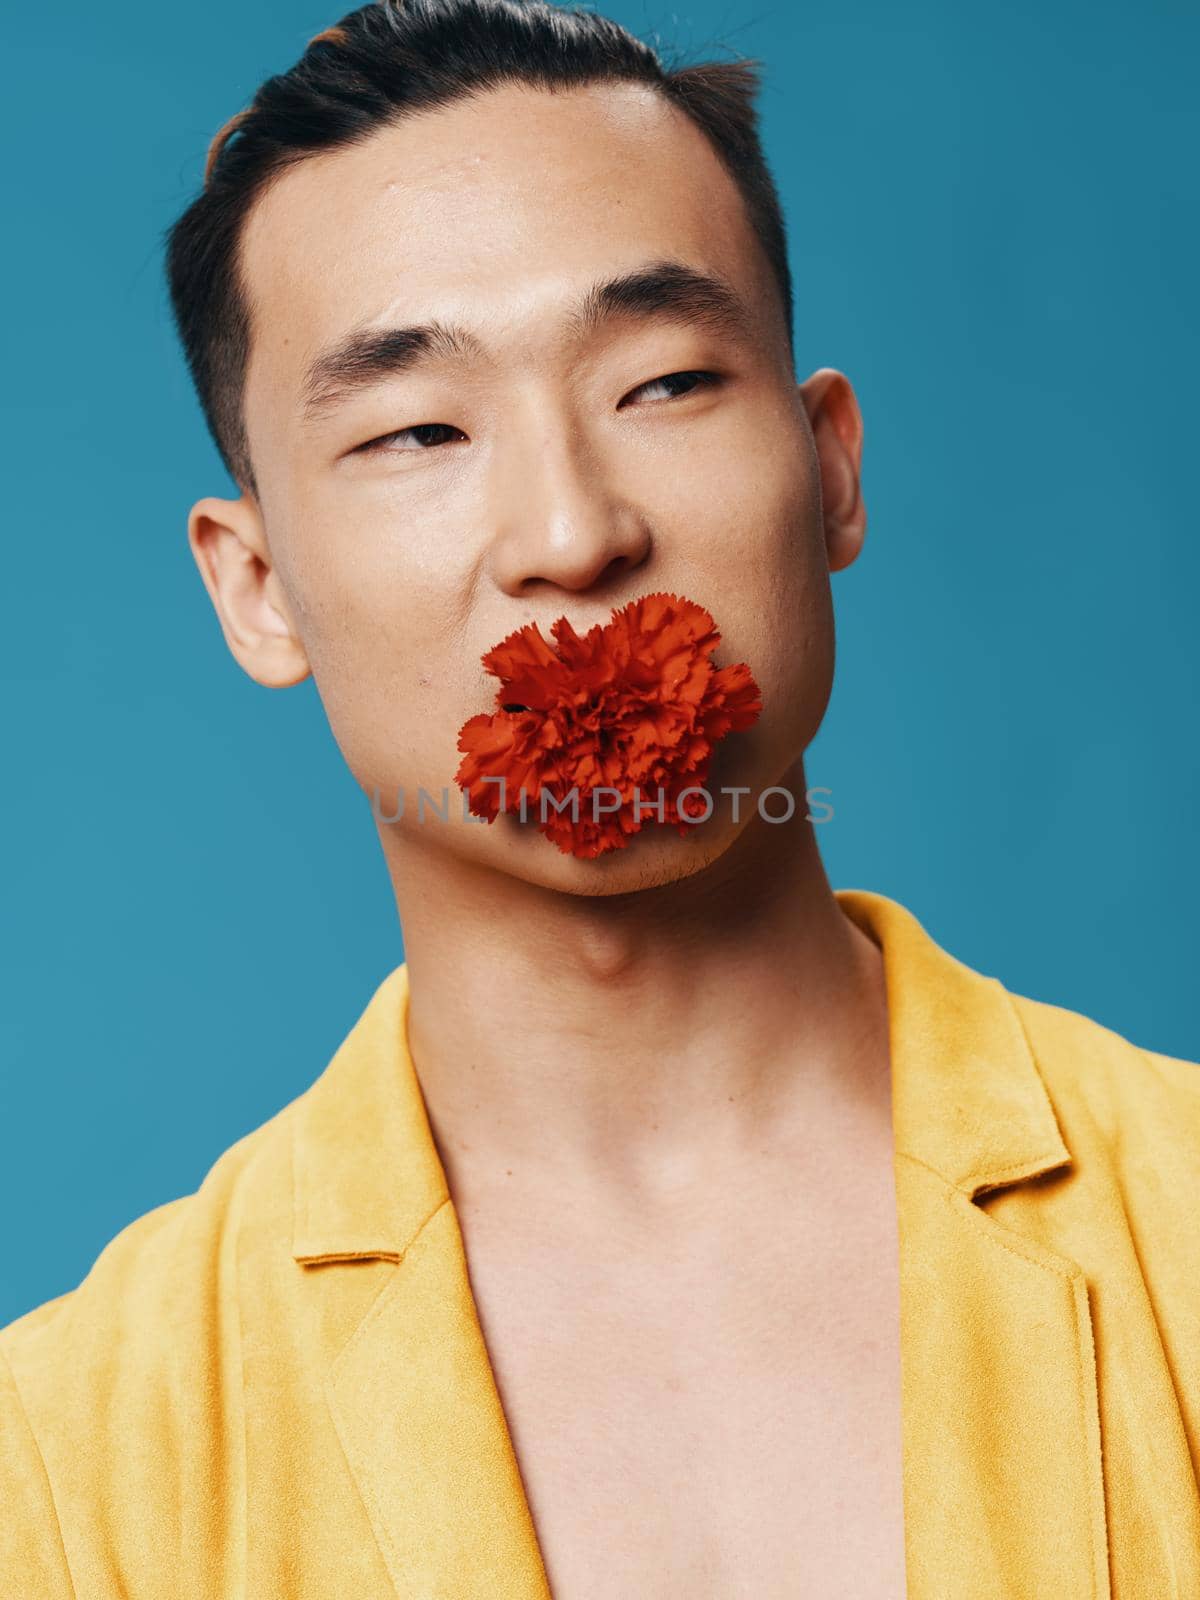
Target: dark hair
394 58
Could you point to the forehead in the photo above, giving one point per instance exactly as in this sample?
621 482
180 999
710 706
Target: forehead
485 210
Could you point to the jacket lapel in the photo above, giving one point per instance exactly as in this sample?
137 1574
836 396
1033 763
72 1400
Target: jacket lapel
411 1392
1003 1480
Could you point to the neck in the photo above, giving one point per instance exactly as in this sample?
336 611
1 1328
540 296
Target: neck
638 1044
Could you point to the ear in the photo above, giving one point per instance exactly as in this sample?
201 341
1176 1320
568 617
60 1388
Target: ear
229 544
837 431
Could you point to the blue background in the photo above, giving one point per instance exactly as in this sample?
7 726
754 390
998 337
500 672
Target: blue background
993 233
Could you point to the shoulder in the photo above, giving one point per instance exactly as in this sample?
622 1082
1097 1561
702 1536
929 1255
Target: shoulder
1085 1058
31 1543
1138 1109
99 1386
152 1279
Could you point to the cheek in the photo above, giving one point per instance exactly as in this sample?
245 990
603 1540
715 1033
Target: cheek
775 570
791 630
742 533
375 632
796 654
364 594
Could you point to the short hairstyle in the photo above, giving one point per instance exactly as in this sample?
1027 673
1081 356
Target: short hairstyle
379 64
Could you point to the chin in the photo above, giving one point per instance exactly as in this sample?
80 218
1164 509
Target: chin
651 858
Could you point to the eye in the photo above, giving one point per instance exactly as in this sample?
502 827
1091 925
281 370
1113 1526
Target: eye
421 433
699 380
429 434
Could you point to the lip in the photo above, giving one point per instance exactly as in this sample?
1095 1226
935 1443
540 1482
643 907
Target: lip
647 672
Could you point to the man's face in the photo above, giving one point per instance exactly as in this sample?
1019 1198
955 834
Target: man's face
414 520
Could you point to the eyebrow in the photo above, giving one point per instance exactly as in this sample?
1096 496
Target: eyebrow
666 290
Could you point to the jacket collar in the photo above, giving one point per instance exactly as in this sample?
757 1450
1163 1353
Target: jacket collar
366 1171
968 1100
1003 1471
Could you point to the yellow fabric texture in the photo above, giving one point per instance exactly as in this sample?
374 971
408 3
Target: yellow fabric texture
278 1386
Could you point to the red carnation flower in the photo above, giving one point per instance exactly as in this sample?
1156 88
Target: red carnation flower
634 706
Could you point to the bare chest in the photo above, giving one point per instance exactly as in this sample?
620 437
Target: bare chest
721 1421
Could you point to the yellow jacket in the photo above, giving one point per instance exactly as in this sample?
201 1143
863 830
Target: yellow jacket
277 1388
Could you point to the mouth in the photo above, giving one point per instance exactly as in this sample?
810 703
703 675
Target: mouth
636 700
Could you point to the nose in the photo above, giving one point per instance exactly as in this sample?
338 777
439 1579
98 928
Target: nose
561 518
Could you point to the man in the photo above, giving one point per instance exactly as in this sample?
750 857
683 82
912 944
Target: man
668 1223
